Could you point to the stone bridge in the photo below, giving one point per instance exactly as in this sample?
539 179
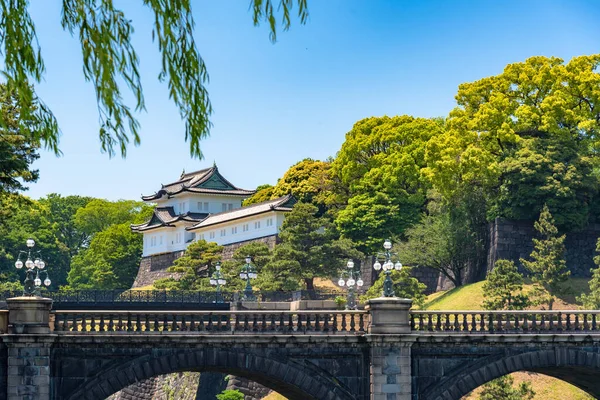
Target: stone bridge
386 352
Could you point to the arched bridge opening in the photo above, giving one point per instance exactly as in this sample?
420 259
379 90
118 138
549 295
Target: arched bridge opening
579 367
294 379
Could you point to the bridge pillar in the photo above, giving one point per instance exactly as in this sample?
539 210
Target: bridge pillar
390 338
28 344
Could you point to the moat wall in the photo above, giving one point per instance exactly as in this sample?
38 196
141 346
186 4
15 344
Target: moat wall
512 240
155 267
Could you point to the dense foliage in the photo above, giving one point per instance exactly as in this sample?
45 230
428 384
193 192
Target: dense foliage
194 267
503 288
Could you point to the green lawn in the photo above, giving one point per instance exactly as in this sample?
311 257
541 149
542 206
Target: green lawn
470 297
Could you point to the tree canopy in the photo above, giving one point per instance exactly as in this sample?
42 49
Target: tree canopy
111 64
380 163
19 143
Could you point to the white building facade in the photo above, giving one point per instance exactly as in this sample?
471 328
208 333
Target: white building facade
204 205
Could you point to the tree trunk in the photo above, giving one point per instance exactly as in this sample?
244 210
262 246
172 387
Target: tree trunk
309 283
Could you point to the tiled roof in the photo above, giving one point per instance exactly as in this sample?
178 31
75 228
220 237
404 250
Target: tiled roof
207 180
165 216
284 203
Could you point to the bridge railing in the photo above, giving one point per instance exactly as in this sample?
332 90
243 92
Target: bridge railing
533 321
211 322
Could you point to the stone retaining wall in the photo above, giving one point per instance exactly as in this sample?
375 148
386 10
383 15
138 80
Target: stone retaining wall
512 240
155 267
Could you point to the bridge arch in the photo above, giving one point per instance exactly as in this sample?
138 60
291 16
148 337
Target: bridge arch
293 379
578 367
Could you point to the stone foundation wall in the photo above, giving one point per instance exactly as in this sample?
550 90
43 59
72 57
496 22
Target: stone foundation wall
250 389
190 386
512 240
155 267
229 249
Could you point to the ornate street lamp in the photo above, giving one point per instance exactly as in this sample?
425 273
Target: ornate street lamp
248 273
217 280
352 280
32 284
387 266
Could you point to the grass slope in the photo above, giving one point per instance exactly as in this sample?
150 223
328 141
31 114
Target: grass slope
470 297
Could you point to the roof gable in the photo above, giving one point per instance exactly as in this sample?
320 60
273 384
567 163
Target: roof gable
208 181
288 202
216 181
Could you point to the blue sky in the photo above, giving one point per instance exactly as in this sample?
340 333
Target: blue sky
276 104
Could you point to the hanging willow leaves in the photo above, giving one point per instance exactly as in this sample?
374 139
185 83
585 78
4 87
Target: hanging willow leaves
109 60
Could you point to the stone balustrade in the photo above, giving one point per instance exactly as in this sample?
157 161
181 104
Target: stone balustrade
211 322
499 322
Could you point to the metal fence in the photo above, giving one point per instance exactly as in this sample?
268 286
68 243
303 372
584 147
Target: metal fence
163 299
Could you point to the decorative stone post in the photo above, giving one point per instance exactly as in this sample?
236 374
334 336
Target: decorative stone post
391 340
29 315
29 343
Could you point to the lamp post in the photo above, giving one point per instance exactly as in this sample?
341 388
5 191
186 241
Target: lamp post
353 280
32 284
217 280
248 273
388 266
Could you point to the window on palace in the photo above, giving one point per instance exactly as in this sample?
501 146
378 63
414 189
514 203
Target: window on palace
245 227
160 240
224 207
234 230
223 232
230 206
257 225
211 235
270 222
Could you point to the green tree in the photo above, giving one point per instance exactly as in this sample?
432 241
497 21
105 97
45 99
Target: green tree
310 246
110 61
111 261
263 193
23 218
547 266
405 286
591 301
380 164
61 213
229 394
310 181
525 137
19 144
195 266
260 255
503 389
503 288
99 214
440 242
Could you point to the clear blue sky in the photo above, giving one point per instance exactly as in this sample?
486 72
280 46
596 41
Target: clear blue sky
276 104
